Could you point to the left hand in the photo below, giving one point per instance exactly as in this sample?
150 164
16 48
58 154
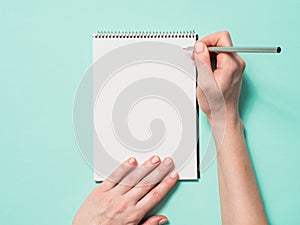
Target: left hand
129 194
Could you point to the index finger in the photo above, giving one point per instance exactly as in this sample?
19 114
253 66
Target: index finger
118 174
221 38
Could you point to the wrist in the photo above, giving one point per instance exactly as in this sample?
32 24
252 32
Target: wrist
226 127
230 119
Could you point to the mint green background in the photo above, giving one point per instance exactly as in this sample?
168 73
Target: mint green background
45 51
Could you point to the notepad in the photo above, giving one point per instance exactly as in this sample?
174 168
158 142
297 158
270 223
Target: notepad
144 88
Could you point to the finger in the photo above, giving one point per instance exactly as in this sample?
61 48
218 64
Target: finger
204 71
202 52
137 175
206 83
205 79
221 38
118 174
227 67
155 220
158 193
148 182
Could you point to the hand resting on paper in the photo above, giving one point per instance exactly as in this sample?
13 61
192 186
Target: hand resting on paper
128 194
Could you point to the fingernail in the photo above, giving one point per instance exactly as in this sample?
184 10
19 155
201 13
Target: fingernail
163 221
173 174
155 159
199 47
131 161
167 161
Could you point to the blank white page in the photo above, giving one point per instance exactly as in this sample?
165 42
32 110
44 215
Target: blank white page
137 110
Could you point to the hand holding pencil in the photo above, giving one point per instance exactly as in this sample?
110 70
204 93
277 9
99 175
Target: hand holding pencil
218 91
224 81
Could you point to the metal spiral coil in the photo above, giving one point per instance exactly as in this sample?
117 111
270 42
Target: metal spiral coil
145 34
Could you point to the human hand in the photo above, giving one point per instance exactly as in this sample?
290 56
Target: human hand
218 91
128 194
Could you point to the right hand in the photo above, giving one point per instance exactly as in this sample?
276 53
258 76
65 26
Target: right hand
225 80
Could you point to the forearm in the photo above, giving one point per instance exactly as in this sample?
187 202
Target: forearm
240 198
218 94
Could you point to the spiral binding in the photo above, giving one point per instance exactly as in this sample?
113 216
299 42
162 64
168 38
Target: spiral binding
145 34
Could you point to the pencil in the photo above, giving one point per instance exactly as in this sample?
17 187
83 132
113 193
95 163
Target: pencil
240 49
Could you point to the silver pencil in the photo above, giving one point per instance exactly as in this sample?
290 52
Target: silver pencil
240 49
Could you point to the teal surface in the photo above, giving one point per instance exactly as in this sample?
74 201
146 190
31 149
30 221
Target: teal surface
45 51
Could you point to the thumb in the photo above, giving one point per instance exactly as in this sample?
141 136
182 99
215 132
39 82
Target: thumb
155 220
201 53
208 91
205 77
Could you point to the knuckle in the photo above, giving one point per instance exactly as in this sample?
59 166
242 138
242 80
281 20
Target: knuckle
243 64
147 184
164 169
161 169
156 195
233 67
225 33
113 178
130 180
121 207
124 168
225 38
167 182
134 217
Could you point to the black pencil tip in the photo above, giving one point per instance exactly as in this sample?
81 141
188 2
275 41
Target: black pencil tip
278 49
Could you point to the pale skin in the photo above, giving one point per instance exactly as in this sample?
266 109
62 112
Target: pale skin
239 194
130 193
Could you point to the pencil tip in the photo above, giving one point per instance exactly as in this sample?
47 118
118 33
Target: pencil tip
187 48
